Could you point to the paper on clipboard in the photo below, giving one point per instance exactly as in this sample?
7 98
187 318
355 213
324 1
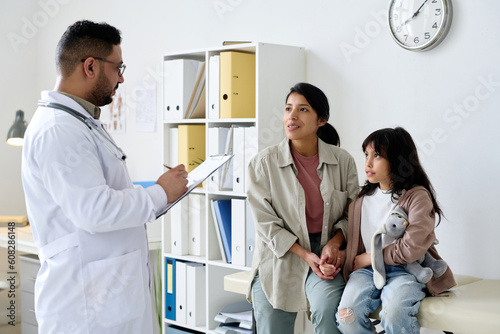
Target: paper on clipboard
200 174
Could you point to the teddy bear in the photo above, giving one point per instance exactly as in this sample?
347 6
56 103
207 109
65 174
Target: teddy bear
423 269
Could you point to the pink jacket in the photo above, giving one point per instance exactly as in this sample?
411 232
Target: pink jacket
417 240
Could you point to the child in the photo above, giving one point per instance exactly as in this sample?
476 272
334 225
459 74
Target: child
395 177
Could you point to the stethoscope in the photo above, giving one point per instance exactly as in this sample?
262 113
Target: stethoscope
99 133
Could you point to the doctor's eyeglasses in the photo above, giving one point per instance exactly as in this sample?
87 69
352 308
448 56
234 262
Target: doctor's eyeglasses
121 67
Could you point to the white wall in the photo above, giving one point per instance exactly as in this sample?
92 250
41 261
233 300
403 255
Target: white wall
448 98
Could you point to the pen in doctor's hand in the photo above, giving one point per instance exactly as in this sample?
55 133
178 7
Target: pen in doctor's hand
167 166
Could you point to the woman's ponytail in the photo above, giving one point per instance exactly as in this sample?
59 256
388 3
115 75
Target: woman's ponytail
329 135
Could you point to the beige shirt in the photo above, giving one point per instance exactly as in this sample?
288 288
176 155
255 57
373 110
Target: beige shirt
278 205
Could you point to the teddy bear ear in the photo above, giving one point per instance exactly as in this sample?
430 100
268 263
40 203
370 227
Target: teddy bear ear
378 259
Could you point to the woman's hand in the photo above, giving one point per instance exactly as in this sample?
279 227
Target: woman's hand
362 261
333 255
322 269
311 259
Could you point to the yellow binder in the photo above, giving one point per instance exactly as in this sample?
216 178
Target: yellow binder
191 145
237 85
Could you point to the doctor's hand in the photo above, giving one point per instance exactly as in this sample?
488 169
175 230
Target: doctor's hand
174 182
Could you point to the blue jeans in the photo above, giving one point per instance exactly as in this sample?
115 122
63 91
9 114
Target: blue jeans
400 299
323 297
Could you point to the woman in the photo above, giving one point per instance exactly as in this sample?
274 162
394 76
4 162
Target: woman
299 192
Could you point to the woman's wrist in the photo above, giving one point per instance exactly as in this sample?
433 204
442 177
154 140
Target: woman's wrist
298 250
337 241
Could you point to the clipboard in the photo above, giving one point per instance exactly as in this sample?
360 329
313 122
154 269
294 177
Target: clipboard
200 174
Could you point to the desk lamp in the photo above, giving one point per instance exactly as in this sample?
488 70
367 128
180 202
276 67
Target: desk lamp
15 136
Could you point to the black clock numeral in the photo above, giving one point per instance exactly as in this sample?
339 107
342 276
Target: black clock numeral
427 35
434 1
406 37
438 11
435 25
416 40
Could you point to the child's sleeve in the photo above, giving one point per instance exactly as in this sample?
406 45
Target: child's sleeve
419 235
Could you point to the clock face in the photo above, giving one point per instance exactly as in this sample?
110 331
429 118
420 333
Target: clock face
419 24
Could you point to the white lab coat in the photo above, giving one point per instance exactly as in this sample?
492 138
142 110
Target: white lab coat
88 222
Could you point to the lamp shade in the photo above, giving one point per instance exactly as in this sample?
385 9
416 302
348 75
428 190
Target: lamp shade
15 136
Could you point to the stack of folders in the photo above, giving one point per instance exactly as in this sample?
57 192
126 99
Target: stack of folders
187 218
235 318
240 141
235 230
185 292
184 89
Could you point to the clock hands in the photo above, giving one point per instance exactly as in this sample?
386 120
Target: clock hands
416 13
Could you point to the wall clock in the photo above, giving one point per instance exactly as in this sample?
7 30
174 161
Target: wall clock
419 25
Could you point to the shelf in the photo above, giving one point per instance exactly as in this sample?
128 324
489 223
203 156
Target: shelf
187 258
180 324
212 121
277 69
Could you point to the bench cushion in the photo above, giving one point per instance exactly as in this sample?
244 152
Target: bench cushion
472 306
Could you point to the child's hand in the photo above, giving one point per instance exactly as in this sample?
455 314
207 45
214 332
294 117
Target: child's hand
362 261
327 269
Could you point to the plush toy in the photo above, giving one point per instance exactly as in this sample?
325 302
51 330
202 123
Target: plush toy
423 268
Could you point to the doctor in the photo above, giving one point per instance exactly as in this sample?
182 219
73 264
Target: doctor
88 220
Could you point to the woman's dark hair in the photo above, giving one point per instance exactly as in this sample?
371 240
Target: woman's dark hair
85 39
319 102
397 146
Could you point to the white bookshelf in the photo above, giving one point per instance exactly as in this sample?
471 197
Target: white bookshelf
278 68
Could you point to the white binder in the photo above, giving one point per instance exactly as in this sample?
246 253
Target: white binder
216 145
239 159
238 232
249 235
245 146
173 147
196 228
179 81
179 226
226 178
213 87
251 149
180 291
196 294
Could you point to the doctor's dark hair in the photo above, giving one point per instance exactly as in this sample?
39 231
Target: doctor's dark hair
397 146
319 102
85 39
